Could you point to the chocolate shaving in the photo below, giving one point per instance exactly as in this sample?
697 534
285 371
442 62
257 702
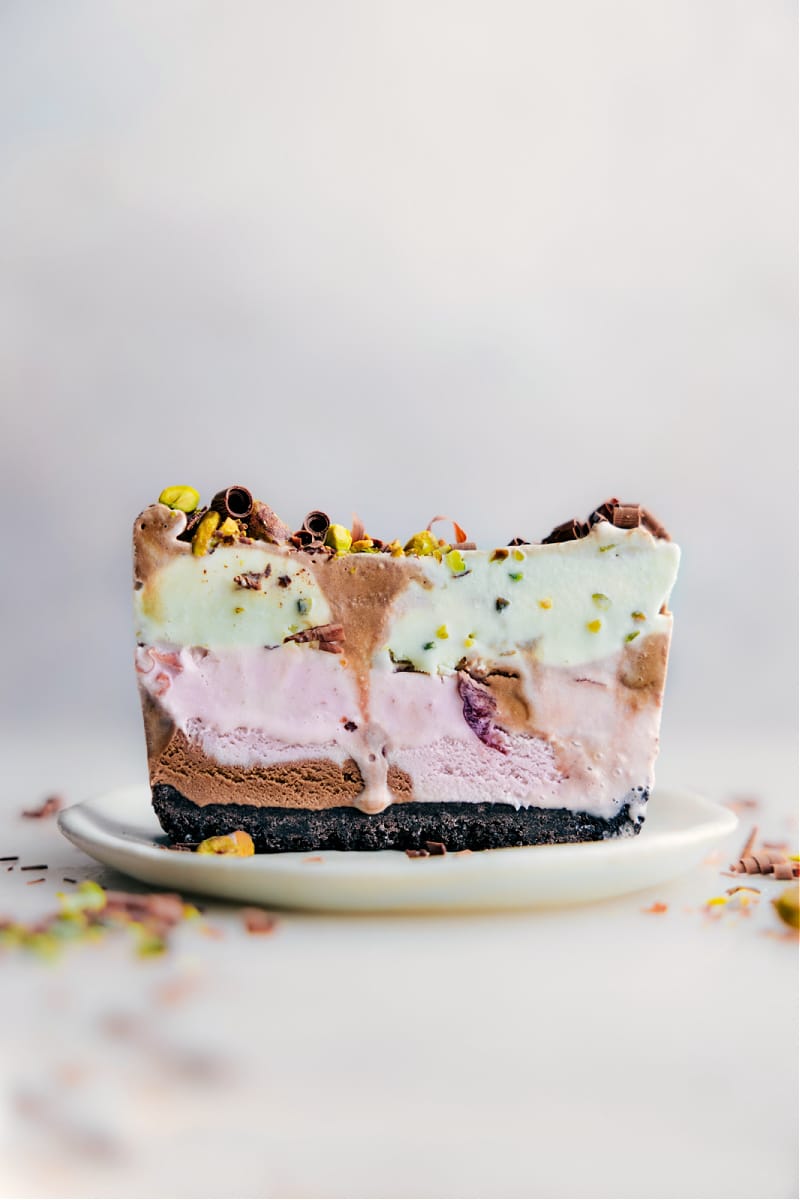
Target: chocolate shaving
479 707
418 853
67 879
501 603
31 881
436 848
604 511
235 502
330 637
350 726
317 523
570 531
284 580
36 867
254 580
518 541
458 532
266 525
192 521
786 870
10 858
498 555
49 808
358 532
465 546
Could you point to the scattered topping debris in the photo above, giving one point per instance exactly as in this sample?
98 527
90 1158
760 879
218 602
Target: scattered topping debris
428 645
36 867
329 637
350 726
238 844
456 563
10 858
185 499
254 580
501 603
304 605
30 881
266 525
284 580
48 808
656 907
256 920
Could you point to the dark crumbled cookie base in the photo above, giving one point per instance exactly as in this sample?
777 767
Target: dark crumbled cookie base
401 827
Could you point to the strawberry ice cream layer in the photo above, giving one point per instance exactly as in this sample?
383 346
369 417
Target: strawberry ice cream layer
574 737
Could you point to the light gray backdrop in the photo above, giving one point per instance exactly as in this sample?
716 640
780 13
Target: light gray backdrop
494 259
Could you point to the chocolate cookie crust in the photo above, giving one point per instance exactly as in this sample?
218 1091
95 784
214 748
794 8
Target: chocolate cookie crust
400 827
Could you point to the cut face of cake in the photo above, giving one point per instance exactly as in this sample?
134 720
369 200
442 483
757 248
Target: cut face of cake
324 690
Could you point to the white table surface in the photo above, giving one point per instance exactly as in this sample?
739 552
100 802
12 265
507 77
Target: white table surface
585 1052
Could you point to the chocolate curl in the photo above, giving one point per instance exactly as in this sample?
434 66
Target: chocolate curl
235 502
266 525
358 532
49 808
654 526
192 521
518 541
317 523
458 533
570 531
604 511
626 516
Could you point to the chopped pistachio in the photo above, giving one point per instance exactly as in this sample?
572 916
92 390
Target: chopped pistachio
603 549
238 609
499 555
469 641
204 533
632 636
304 605
338 538
455 562
89 897
428 645
395 549
594 626
442 633
601 601
546 603
239 844
364 546
638 616
519 555
515 575
185 499
787 906
421 543
229 528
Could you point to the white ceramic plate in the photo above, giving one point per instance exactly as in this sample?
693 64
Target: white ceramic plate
121 830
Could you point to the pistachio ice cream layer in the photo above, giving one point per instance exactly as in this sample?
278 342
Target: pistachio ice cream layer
287 674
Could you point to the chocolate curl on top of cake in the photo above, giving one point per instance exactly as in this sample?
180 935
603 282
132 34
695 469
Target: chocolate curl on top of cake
266 526
569 531
235 502
622 516
329 637
317 523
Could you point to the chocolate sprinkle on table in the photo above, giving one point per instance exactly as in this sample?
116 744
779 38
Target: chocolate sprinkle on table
9 858
48 808
36 867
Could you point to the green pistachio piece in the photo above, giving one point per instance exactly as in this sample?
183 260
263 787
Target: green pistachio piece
638 616
632 636
204 533
601 601
421 543
515 575
428 645
455 562
338 538
787 906
186 499
304 605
